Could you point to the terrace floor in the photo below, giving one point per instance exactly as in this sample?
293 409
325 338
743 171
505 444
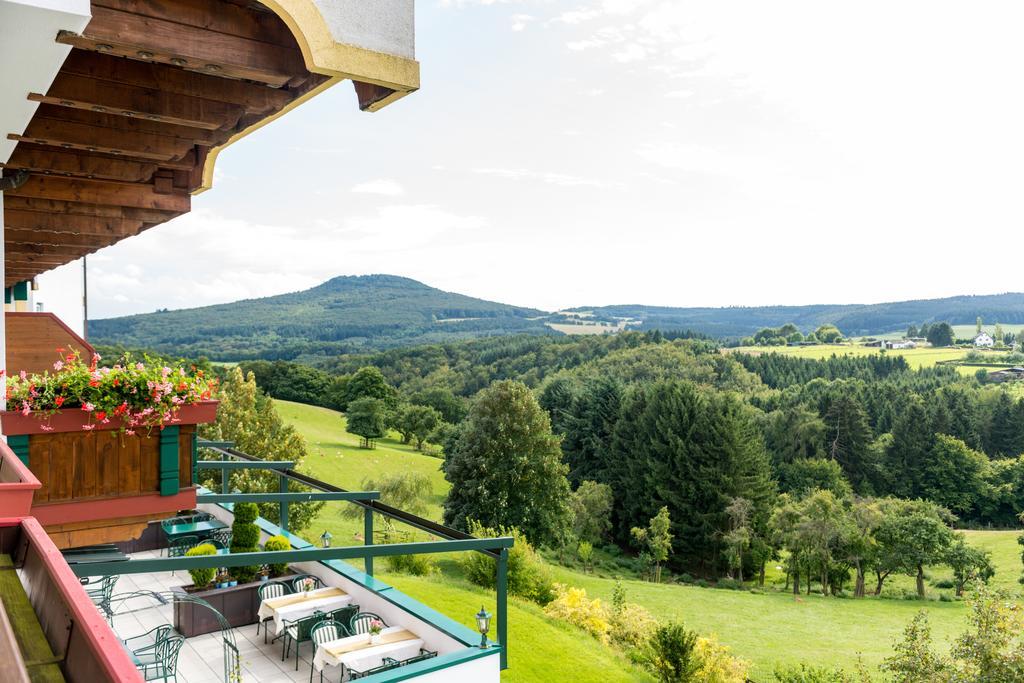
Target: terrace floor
202 657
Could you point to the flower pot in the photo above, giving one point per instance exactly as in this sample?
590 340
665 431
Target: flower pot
264 578
223 584
375 639
232 584
14 423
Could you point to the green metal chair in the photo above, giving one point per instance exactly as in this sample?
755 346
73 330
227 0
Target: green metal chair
215 543
424 654
271 589
324 632
298 632
345 614
387 665
222 536
162 662
101 595
149 639
179 546
360 623
297 581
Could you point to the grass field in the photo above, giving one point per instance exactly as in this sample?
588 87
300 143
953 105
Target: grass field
768 628
916 358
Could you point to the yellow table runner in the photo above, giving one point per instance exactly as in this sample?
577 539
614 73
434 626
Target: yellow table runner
285 600
385 638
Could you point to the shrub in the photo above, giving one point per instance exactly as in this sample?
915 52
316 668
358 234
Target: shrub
701 583
572 605
528 576
805 673
685 578
201 578
631 626
671 654
277 543
244 539
417 565
717 665
944 583
729 584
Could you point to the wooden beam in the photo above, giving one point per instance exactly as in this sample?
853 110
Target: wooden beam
253 98
24 222
81 136
61 238
62 207
101 192
48 253
134 36
127 124
43 159
212 15
81 92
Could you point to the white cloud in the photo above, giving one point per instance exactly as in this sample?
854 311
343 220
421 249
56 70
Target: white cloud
520 21
549 177
384 186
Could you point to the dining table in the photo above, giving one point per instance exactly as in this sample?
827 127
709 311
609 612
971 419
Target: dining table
298 605
201 529
363 651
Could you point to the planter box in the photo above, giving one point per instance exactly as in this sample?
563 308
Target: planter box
75 465
239 605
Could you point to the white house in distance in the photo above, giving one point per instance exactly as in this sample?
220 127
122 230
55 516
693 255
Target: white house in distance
984 340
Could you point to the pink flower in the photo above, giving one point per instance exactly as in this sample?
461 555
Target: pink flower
25 409
130 432
88 428
58 365
140 366
23 375
46 428
88 407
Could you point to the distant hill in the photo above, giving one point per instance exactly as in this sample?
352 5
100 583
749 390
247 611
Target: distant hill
343 315
852 319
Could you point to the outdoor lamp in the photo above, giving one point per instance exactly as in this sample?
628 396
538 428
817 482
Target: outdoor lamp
483 624
325 539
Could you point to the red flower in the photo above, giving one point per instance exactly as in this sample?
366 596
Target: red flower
101 415
59 400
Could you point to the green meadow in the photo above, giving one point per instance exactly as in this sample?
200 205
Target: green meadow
916 358
767 628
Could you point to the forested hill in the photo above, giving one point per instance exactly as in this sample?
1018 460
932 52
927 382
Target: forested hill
343 315
852 319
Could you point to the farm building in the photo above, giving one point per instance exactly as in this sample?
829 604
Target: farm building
1006 375
984 340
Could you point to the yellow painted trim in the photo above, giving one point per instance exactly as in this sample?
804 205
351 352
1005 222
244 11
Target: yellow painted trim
324 56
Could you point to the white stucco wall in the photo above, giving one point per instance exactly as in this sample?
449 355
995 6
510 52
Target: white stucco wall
379 25
482 670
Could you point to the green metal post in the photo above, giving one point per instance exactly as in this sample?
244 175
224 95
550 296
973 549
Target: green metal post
170 481
503 606
195 457
282 483
368 537
225 481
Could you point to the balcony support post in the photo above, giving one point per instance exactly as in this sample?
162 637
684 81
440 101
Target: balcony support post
282 486
368 537
502 607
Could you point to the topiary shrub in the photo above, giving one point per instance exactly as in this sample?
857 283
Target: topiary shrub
277 543
201 578
245 537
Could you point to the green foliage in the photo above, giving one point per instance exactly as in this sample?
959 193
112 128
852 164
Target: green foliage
528 576
911 535
245 537
249 418
672 654
806 673
201 578
369 382
940 334
591 506
416 422
969 564
367 417
506 467
828 334
277 543
801 476
416 565
655 540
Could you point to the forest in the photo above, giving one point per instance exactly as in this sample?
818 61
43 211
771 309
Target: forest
742 450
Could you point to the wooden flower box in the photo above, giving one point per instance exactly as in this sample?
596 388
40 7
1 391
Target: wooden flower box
100 474
238 604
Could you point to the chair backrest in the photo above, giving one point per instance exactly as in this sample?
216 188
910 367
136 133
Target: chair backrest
345 614
179 546
360 623
223 536
215 543
327 630
274 589
106 588
167 653
424 654
298 580
305 625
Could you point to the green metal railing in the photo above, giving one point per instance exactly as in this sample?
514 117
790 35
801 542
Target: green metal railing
454 540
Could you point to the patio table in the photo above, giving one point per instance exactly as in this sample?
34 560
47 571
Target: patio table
297 605
358 652
201 529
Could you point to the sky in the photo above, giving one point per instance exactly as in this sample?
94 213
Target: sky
663 152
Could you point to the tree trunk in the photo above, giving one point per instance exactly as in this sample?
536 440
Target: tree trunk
920 581
858 587
760 576
959 589
796 582
878 586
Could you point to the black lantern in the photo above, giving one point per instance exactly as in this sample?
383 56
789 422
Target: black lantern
483 624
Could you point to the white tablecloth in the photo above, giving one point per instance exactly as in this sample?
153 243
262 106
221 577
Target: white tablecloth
316 601
370 657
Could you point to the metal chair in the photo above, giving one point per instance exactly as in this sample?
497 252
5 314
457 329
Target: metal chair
163 664
360 623
149 639
100 596
345 614
424 654
298 580
298 632
387 665
324 632
222 536
271 589
215 543
179 546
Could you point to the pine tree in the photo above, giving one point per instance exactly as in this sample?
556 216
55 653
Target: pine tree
848 441
910 449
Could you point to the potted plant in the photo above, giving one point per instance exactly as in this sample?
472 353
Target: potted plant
275 543
201 578
376 626
222 578
245 537
132 424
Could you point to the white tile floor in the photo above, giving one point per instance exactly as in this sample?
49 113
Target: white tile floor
202 658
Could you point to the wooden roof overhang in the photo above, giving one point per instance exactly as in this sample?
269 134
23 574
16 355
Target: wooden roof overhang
129 128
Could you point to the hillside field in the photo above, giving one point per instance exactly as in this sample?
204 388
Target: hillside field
768 628
916 358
